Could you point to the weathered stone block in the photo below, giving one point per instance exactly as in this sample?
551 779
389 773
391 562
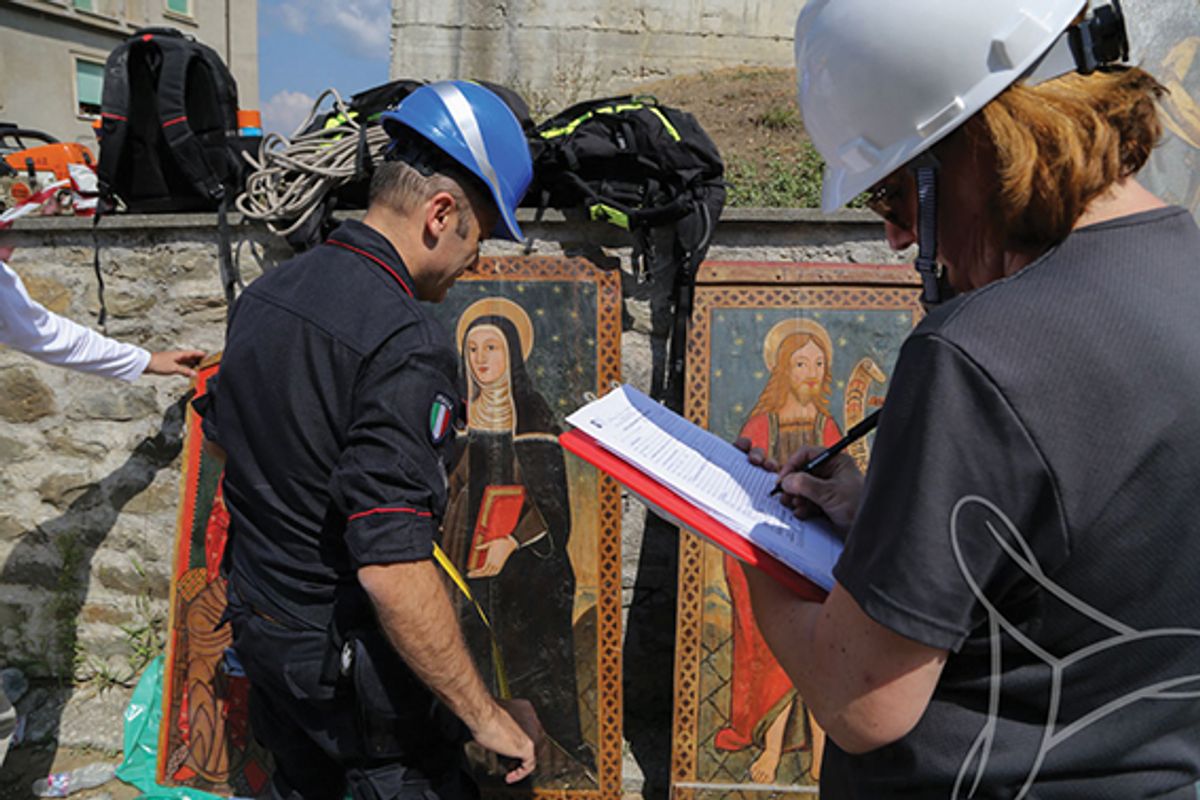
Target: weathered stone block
12 450
125 580
160 497
47 291
108 615
126 304
30 572
23 396
13 617
94 719
63 489
10 528
121 403
71 441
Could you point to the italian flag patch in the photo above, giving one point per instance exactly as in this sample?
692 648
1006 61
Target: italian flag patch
441 416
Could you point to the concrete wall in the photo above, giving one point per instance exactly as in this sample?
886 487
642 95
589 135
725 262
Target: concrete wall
89 468
557 52
40 41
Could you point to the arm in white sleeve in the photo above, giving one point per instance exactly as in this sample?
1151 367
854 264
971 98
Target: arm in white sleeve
26 325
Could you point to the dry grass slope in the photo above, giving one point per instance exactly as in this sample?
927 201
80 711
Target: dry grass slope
751 114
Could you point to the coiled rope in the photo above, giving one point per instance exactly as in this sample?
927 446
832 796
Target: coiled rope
292 176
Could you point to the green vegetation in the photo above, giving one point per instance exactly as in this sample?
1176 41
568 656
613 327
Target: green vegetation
779 118
146 635
772 180
65 656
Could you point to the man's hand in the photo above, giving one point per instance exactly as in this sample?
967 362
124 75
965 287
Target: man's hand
175 362
496 553
513 733
835 489
416 614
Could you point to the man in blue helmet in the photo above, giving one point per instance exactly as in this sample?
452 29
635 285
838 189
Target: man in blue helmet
334 409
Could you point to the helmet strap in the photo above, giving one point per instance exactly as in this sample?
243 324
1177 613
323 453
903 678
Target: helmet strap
1098 41
935 288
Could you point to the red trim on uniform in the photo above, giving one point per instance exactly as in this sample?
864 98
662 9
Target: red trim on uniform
175 121
110 115
361 514
378 261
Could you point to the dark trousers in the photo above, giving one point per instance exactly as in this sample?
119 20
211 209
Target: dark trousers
328 738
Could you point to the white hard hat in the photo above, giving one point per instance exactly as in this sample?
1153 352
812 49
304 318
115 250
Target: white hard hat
882 81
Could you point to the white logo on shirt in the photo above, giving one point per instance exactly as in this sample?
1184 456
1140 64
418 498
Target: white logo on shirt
1113 635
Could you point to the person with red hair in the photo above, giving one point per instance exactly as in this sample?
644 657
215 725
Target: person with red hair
1016 612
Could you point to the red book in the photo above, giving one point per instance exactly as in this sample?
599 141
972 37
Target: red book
686 515
499 512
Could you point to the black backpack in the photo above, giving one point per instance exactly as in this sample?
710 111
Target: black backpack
169 132
168 139
649 169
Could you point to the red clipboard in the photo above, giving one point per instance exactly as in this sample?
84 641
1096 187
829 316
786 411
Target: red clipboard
687 515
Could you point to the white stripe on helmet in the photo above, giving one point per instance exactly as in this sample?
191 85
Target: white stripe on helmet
464 117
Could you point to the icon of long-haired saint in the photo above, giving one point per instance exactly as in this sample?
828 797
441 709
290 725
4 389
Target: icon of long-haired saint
793 410
509 518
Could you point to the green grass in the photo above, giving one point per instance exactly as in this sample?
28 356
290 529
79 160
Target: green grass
779 118
775 180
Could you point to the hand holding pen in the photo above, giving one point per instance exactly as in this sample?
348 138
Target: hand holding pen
821 481
853 435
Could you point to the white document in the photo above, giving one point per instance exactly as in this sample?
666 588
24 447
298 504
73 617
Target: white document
711 474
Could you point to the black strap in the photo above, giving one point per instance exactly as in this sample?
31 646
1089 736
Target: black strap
114 118
364 164
103 318
927 266
231 277
172 113
685 292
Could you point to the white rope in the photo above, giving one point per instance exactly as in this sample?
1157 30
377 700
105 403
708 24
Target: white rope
291 176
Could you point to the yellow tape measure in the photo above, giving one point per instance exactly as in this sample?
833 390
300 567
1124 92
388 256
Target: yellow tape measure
461 583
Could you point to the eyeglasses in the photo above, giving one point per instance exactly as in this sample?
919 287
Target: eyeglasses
886 197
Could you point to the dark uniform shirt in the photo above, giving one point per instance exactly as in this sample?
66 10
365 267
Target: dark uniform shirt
333 406
1031 508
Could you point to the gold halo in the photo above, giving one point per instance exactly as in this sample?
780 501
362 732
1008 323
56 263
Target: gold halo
791 327
497 307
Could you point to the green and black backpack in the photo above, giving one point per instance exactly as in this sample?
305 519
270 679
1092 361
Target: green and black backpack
649 169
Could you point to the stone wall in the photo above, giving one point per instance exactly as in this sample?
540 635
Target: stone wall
562 51
90 478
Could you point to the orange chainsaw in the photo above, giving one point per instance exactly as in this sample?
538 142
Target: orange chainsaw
26 170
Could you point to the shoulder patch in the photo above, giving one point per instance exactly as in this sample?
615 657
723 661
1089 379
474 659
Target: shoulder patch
441 417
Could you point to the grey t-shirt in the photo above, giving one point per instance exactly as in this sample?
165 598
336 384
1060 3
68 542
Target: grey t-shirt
1032 506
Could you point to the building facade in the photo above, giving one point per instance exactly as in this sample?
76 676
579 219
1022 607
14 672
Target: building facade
52 53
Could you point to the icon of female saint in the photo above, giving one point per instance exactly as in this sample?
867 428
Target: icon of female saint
509 519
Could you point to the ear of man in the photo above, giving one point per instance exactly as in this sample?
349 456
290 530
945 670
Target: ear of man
444 213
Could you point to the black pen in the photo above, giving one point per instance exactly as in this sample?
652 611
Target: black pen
853 435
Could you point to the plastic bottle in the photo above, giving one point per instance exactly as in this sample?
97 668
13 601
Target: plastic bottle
61 784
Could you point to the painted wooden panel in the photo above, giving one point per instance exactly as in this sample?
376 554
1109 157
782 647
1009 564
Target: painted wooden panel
796 359
536 532
537 336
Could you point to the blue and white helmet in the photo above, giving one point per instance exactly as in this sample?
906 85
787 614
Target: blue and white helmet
473 126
